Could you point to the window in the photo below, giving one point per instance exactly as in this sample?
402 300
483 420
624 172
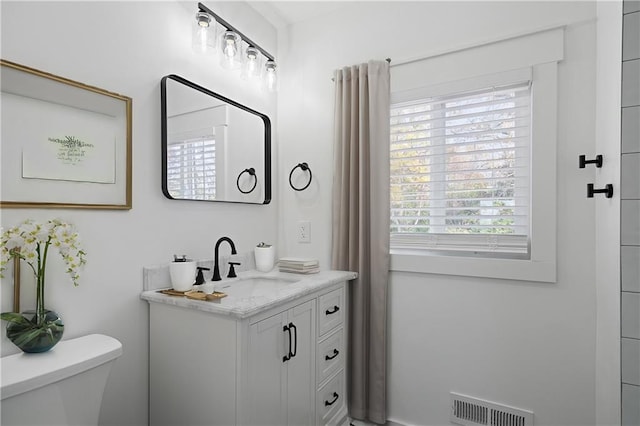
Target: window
191 168
460 172
486 206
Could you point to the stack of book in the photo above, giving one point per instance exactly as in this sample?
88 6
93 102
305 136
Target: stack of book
299 265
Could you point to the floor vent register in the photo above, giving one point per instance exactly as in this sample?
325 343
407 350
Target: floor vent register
468 411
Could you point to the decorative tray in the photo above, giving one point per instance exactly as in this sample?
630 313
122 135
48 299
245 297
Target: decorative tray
191 294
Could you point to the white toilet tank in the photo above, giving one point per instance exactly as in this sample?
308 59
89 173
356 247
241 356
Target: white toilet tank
61 387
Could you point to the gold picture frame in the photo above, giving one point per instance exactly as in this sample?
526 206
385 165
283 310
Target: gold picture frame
45 165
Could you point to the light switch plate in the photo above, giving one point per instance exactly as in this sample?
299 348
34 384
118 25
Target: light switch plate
304 231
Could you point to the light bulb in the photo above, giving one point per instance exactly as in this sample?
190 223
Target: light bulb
270 76
230 44
251 63
230 48
203 19
203 37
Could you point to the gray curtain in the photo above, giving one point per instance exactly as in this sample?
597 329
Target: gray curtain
361 226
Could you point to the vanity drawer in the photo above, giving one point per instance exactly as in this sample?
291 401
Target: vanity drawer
330 399
330 356
331 311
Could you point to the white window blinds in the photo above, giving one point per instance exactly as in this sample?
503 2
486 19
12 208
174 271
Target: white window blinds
191 168
460 172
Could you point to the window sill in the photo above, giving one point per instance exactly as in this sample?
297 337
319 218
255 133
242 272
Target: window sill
511 269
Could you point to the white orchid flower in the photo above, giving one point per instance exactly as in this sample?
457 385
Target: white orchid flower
33 238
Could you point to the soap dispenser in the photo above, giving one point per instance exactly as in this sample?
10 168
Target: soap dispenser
265 256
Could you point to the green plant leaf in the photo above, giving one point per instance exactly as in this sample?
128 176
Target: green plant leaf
26 337
15 317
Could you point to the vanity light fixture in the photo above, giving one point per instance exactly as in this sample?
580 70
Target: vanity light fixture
251 62
230 50
270 77
204 33
232 53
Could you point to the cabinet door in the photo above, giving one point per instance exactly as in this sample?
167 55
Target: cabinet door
301 368
267 378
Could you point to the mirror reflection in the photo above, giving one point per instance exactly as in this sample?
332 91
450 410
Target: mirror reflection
213 148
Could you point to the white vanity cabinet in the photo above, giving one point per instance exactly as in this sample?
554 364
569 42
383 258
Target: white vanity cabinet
280 368
331 404
285 365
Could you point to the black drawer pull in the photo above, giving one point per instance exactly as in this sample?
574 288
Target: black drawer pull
335 354
335 398
295 346
287 357
335 309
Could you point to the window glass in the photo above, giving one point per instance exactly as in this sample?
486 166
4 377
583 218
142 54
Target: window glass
460 179
191 166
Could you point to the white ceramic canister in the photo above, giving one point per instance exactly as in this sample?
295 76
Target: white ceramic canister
265 257
183 275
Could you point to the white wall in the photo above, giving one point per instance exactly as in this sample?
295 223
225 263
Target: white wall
608 91
127 47
529 345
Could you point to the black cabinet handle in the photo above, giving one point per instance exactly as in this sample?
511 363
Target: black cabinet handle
329 358
335 309
287 357
335 398
295 346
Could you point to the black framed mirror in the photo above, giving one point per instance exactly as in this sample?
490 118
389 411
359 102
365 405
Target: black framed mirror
213 148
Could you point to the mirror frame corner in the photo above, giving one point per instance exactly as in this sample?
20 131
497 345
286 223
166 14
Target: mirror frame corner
164 137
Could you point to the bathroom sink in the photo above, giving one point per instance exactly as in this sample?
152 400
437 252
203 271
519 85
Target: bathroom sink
256 286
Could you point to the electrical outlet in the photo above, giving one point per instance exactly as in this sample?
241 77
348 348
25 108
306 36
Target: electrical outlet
304 231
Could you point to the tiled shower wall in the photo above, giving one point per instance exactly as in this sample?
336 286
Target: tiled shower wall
630 199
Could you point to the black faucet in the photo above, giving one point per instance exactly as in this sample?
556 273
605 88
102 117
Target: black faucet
216 268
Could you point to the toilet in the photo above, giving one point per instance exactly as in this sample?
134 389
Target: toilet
61 387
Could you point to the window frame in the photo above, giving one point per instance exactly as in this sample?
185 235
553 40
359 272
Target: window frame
188 142
478 245
539 53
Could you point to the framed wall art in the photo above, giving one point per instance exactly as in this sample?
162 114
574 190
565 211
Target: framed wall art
64 144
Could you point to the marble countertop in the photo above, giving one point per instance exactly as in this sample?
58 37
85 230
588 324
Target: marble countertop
244 307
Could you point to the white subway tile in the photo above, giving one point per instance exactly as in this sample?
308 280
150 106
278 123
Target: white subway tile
631 37
631 361
630 259
631 315
630 405
630 223
631 129
631 83
630 182
630 6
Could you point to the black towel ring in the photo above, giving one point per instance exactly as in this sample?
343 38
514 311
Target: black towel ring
303 167
252 172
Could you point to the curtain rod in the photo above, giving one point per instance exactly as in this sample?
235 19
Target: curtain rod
386 59
485 42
